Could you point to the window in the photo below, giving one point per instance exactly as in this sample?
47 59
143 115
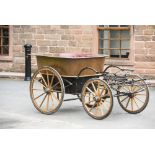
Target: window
4 40
114 40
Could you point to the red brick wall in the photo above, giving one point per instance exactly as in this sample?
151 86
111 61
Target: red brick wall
79 38
144 54
51 39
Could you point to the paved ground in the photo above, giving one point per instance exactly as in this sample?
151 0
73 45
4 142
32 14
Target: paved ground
17 111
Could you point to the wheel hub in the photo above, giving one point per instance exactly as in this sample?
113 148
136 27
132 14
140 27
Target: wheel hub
47 90
97 99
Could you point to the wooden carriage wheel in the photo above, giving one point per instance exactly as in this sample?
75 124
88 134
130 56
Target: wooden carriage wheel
97 98
47 90
136 95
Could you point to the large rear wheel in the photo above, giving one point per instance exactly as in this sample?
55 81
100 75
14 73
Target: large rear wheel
47 90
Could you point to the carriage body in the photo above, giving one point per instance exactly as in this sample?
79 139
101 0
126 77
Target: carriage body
69 67
84 75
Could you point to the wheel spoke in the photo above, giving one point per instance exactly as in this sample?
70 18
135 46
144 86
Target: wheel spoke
48 83
124 99
90 91
92 107
37 89
55 84
102 91
43 78
93 86
40 83
140 94
132 104
105 105
102 108
47 104
127 102
55 97
99 87
52 80
43 100
56 91
89 102
136 103
139 90
52 102
139 99
39 96
125 89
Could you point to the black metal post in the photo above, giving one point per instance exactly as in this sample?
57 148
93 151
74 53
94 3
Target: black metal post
27 62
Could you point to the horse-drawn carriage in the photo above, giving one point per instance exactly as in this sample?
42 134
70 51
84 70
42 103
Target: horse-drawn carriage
85 76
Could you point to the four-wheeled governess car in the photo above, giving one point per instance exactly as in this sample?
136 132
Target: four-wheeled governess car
84 76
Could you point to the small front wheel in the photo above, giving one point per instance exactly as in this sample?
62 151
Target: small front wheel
97 98
133 95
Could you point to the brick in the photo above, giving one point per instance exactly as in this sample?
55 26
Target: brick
25 36
29 30
31 41
84 44
138 32
77 32
140 71
140 27
15 36
153 38
86 50
60 31
68 32
150 45
73 49
141 51
55 27
19 60
148 32
17 48
87 32
151 27
62 43
139 45
18 30
18 41
150 71
43 42
72 43
64 27
143 38
43 49
34 49
52 37
53 43
56 49
6 66
47 31
145 58
19 54
75 26
87 37
39 36
152 51
150 65
25 26
67 37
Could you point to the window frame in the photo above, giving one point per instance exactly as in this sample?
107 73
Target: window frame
120 61
115 29
10 55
